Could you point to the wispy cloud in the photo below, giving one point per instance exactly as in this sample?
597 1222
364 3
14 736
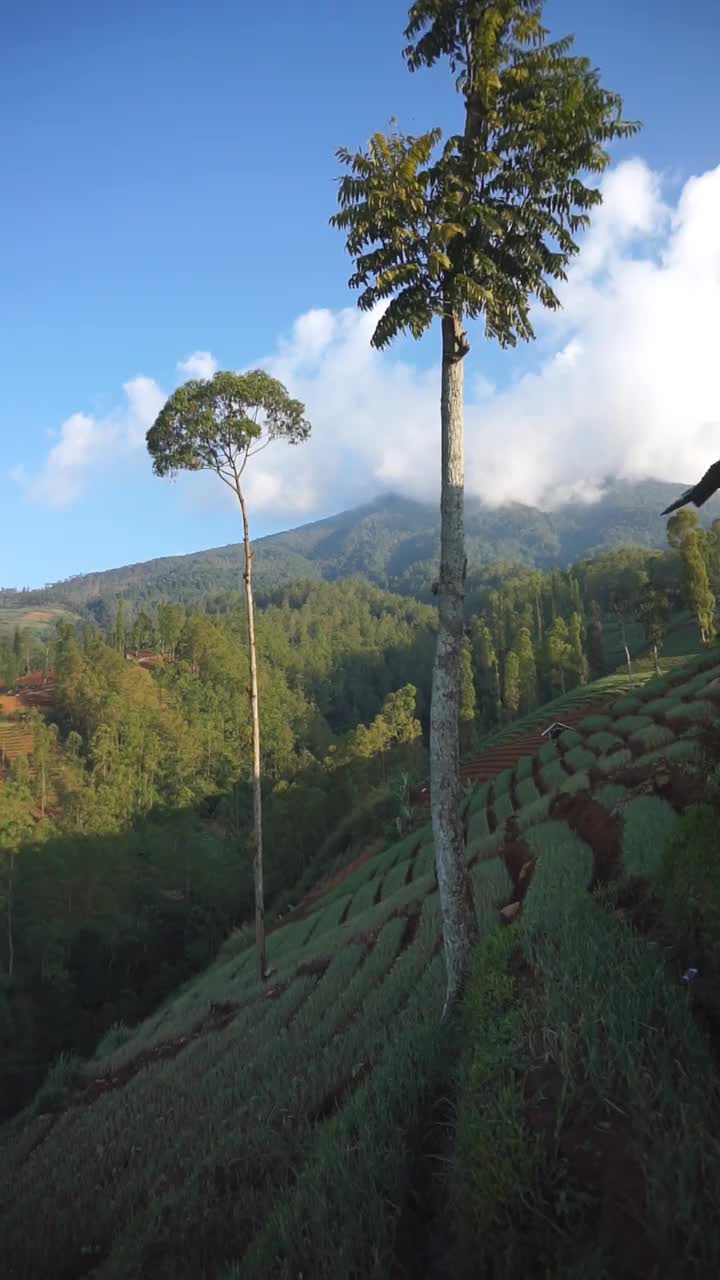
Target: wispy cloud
623 381
201 364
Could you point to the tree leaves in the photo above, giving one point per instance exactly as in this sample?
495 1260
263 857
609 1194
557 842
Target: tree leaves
219 423
486 220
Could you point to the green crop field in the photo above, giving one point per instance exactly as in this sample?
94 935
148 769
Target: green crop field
260 1130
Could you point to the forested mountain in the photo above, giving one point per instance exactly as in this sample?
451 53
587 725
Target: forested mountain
392 542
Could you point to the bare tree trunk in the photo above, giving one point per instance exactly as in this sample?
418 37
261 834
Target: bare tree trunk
657 661
255 721
458 911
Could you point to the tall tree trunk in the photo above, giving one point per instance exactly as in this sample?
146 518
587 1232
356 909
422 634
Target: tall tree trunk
458 911
657 661
255 722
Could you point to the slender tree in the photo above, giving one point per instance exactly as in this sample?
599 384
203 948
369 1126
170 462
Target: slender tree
218 425
477 225
654 614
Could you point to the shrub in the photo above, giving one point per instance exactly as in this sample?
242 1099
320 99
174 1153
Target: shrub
655 735
630 724
548 752
478 826
501 785
660 706
592 723
682 751
524 768
526 792
478 798
609 794
692 712
580 758
502 807
531 814
603 742
570 738
578 782
608 764
553 775
630 702
649 822
487 848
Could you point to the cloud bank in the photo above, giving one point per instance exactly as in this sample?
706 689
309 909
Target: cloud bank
623 381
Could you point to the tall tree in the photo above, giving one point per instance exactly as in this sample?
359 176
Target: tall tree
219 424
654 614
476 226
527 669
686 535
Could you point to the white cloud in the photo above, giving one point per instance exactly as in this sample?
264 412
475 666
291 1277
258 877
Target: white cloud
87 444
201 364
623 381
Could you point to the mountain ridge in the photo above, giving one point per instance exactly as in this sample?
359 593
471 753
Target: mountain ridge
393 541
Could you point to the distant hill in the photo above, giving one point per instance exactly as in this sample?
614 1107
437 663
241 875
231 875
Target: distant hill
392 541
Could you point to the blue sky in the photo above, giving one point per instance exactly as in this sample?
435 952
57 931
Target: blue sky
168 171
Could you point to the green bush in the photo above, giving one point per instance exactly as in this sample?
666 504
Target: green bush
526 792
609 794
602 742
548 753
591 724
570 738
660 706
501 784
580 758
648 823
617 760
502 807
693 712
553 775
479 797
630 724
655 735
629 703
577 782
477 827
524 768
531 814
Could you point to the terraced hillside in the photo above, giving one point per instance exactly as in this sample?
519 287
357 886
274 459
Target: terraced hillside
288 1129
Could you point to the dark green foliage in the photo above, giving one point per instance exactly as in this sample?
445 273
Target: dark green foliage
689 885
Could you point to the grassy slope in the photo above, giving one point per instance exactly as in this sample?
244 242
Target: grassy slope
256 1131
40 619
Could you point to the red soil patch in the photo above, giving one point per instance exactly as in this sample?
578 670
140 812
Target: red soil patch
598 1151
678 786
505 755
519 860
601 830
